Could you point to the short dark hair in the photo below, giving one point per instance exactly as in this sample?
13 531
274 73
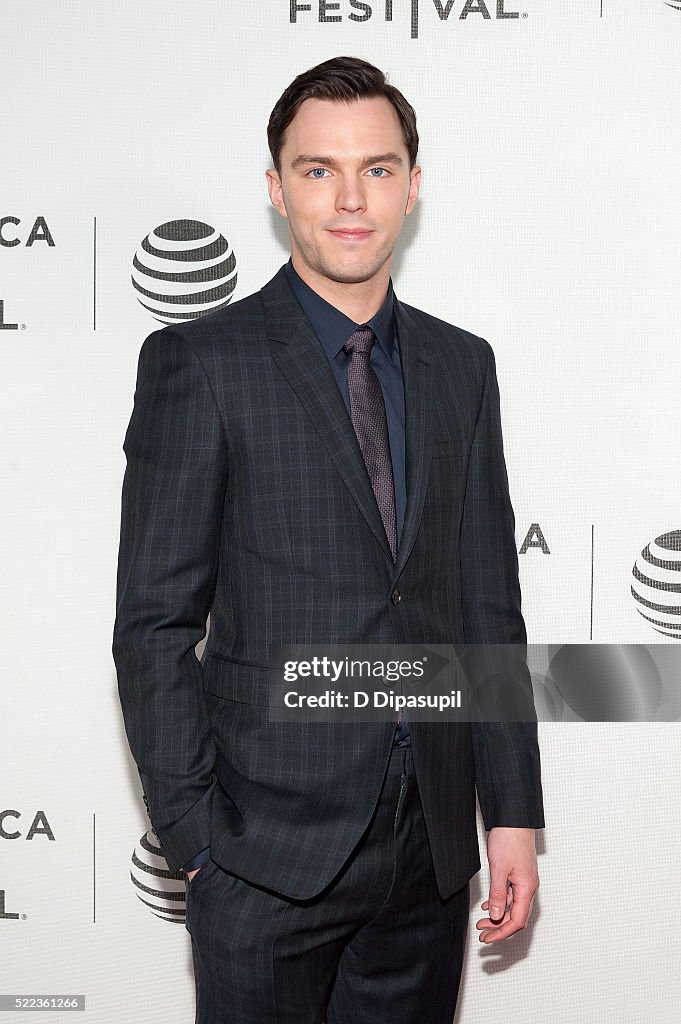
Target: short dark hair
339 79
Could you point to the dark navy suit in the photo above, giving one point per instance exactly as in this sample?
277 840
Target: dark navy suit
245 495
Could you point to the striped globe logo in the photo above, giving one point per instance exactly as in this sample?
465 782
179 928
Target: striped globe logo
656 587
155 885
183 270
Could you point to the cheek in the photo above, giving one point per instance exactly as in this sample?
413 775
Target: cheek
308 210
390 207
391 220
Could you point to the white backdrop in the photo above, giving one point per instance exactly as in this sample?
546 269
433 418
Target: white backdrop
548 223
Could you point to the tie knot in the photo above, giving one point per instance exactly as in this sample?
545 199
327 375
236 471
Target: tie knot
360 340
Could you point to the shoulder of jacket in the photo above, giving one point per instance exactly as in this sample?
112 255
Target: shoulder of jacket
449 335
205 335
234 315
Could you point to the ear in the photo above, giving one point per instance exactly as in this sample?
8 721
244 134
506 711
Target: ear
276 191
414 186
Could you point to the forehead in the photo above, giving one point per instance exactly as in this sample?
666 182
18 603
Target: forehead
344 129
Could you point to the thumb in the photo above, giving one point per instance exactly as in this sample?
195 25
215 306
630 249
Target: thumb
497 894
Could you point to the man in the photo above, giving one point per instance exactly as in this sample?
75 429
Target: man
321 463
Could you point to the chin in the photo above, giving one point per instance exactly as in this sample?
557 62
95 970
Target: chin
349 276
349 273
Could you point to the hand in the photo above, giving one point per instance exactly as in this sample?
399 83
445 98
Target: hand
512 860
190 874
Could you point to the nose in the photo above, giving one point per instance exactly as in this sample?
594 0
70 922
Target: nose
350 195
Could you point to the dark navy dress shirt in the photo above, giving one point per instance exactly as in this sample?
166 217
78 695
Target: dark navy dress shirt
333 328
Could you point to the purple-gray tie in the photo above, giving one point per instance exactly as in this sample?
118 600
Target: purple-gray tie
367 412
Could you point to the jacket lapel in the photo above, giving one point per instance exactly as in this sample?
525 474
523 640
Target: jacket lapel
418 392
297 352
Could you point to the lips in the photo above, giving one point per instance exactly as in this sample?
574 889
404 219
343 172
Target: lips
351 234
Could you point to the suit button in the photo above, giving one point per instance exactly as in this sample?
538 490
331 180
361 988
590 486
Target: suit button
396 597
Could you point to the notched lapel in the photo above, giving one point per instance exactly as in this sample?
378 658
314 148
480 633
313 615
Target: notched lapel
301 358
416 373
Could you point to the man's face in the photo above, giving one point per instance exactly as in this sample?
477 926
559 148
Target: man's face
345 186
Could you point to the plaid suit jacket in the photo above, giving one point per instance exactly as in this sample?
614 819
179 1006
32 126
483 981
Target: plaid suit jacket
245 496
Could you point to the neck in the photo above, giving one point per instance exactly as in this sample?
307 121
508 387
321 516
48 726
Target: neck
358 300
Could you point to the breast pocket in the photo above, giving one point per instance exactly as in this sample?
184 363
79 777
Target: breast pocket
446 487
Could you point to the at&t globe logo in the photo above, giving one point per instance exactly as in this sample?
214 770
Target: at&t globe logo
182 270
159 888
656 587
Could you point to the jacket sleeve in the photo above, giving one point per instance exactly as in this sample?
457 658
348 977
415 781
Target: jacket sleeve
171 515
507 761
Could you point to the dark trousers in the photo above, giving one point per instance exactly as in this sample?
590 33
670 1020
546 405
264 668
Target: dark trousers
378 944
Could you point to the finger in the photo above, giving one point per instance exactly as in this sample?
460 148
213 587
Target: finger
498 892
517 919
490 936
485 924
509 900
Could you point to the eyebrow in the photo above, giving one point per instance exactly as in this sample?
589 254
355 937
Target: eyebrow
328 161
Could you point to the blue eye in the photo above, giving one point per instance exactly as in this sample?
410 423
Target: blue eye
378 169
312 172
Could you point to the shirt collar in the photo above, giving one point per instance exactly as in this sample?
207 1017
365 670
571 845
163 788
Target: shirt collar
333 328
